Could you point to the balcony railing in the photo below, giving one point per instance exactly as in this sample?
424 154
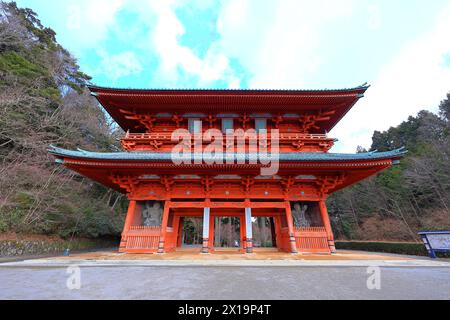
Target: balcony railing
288 142
163 136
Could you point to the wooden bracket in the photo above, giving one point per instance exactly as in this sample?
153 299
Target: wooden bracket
277 120
167 182
147 120
244 119
207 183
288 183
248 182
298 144
309 121
177 119
127 183
155 144
328 183
211 120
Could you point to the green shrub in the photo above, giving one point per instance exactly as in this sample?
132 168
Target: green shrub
3 226
413 249
387 247
16 64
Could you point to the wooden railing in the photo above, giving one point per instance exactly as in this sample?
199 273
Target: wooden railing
312 239
311 229
162 141
145 229
148 136
141 239
141 242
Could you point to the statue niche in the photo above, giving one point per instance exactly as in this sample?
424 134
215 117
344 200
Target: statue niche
299 215
306 214
152 212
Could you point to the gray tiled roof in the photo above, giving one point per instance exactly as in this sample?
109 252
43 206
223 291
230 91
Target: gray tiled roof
94 88
158 156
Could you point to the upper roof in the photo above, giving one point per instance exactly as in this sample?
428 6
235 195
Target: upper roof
119 102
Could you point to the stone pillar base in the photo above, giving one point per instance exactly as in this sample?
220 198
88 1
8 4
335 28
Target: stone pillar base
161 248
332 246
205 248
293 244
249 248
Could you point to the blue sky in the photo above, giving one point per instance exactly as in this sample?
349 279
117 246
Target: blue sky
400 47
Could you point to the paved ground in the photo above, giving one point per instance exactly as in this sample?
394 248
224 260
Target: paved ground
189 275
241 283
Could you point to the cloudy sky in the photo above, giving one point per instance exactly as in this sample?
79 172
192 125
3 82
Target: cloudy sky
400 47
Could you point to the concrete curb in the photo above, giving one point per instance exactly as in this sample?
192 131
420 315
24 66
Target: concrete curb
43 263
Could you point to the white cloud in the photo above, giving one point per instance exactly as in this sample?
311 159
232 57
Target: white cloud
175 57
416 79
119 65
278 42
87 22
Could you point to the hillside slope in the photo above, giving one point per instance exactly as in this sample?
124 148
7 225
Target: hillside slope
43 101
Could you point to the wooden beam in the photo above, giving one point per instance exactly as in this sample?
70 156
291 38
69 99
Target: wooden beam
228 205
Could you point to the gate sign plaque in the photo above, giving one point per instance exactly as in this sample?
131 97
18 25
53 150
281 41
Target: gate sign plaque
436 241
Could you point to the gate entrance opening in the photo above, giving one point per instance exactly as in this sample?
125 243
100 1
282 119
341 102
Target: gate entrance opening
192 230
264 234
227 232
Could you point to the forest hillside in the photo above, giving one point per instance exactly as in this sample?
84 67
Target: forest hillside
43 101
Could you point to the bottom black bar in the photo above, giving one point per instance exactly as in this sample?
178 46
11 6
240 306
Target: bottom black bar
219 309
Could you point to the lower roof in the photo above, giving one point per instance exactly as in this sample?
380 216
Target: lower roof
167 157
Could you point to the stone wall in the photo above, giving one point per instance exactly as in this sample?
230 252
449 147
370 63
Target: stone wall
13 248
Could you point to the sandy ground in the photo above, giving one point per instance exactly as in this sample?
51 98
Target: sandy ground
193 255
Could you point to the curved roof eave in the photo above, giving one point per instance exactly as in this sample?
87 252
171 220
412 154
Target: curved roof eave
287 157
95 89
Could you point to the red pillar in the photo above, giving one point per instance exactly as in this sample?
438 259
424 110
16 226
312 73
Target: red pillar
128 222
290 222
243 233
211 233
327 225
278 232
180 231
165 220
